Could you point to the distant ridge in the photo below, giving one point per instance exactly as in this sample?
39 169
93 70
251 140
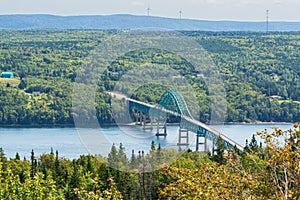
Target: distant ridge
135 22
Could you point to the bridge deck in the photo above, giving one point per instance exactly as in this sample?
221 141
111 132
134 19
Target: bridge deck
188 119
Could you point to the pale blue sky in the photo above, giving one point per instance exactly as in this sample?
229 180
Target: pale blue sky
243 10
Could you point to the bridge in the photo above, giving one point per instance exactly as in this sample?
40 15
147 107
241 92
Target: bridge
173 104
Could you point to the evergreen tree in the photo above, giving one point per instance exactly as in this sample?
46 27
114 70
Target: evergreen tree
56 165
139 158
253 146
246 148
133 160
2 154
22 84
260 145
159 153
122 155
17 156
89 164
75 180
56 154
219 151
33 162
112 157
236 150
152 146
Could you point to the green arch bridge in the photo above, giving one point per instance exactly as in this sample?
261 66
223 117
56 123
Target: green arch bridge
173 104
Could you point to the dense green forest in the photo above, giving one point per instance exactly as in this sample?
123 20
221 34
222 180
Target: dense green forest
254 66
271 171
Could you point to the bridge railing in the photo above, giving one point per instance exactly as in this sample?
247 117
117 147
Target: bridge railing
187 118
215 132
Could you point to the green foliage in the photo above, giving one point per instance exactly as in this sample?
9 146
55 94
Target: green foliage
253 144
283 161
254 66
269 173
218 152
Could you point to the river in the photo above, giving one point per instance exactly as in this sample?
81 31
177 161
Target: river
72 142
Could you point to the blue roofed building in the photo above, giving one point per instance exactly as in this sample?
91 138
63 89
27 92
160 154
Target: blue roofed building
7 75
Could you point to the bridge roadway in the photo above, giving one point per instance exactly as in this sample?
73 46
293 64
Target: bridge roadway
187 122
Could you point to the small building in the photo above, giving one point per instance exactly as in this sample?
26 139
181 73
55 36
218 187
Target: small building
115 73
275 97
37 93
201 75
7 75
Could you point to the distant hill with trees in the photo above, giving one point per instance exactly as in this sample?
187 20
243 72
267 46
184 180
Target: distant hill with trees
255 67
125 21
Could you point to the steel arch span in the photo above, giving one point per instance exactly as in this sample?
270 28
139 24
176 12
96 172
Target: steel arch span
172 103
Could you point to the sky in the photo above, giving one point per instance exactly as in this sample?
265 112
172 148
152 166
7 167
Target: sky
239 10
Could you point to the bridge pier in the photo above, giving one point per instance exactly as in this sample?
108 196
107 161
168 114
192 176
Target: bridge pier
139 118
147 123
183 134
161 128
173 104
202 142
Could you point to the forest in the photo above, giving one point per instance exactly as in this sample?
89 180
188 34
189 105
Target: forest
263 171
260 72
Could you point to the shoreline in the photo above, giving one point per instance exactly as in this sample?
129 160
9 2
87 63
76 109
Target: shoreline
131 124
257 123
37 126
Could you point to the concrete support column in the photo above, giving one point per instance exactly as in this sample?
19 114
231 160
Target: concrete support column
202 143
183 139
161 128
147 123
139 118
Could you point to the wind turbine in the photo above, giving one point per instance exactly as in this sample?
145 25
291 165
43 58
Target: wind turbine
180 14
148 10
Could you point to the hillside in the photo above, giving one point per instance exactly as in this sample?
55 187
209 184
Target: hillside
135 22
254 66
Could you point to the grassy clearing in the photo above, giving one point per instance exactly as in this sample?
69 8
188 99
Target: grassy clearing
288 101
13 82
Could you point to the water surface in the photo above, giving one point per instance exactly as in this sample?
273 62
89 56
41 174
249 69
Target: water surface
71 143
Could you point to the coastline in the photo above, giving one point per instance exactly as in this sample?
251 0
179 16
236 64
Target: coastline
130 124
256 123
37 125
